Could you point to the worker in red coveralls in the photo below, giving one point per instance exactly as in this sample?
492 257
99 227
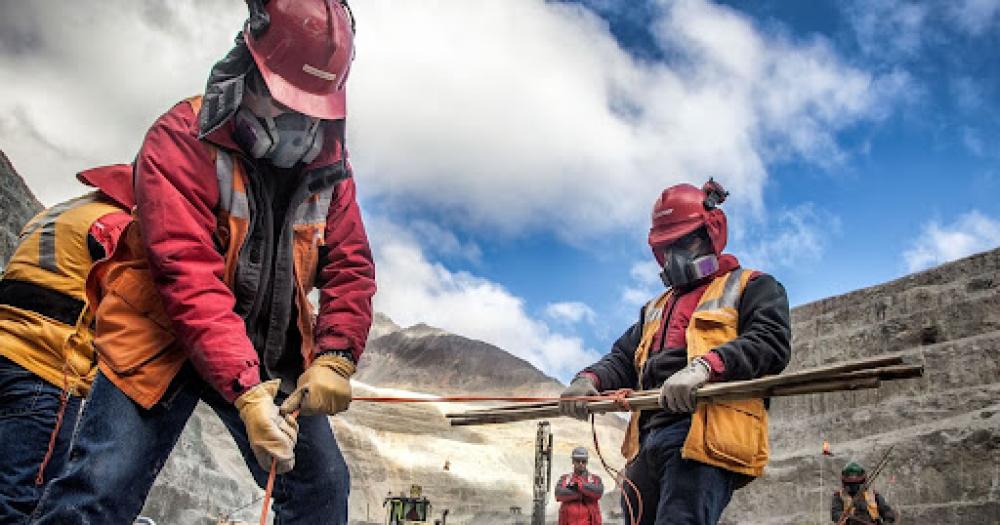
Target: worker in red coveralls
245 202
579 493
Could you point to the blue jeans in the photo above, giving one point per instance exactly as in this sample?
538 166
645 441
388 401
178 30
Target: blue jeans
28 409
120 448
674 490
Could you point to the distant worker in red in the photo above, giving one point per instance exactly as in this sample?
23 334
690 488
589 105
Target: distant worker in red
580 493
716 321
245 204
855 504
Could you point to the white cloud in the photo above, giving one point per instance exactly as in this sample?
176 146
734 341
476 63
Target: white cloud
570 312
529 115
414 289
891 29
975 16
645 283
972 232
797 235
86 79
502 115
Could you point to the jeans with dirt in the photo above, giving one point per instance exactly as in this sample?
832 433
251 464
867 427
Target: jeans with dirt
28 409
120 448
674 490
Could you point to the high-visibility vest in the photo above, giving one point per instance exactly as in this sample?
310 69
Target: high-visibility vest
870 503
727 434
134 336
44 318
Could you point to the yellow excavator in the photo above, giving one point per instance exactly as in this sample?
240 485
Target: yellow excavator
411 510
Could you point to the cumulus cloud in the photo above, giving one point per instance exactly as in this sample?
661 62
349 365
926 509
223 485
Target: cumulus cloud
796 235
644 285
972 232
570 312
84 80
413 289
530 115
498 114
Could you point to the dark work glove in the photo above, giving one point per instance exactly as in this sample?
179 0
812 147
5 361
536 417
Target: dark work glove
678 392
579 387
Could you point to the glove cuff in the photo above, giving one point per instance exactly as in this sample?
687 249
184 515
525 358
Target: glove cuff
341 365
262 392
589 376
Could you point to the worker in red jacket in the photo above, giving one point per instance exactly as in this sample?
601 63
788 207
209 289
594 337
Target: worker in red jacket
580 493
245 203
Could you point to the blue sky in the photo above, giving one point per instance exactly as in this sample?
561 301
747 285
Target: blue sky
507 153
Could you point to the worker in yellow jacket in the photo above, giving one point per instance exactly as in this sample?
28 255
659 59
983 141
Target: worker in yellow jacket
47 360
716 321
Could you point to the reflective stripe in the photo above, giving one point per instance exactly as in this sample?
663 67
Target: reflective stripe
730 294
231 201
315 209
33 297
47 237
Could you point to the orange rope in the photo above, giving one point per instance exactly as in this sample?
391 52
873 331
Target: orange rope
270 482
464 399
619 475
63 401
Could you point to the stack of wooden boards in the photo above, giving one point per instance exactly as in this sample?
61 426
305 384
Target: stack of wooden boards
850 375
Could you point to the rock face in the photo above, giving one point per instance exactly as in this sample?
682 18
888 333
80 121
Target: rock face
945 467
17 204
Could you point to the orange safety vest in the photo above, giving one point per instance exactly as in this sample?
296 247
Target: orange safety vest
870 502
133 337
727 434
44 318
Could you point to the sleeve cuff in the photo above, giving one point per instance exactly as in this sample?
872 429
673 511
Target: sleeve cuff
245 380
716 365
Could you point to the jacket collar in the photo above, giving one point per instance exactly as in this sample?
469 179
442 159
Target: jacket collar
114 181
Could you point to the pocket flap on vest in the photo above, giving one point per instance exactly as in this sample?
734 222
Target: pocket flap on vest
132 328
735 432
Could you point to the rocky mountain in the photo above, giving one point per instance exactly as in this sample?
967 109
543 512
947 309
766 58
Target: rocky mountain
18 205
945 467
434 361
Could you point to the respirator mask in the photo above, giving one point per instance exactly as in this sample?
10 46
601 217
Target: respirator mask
683 264
265 129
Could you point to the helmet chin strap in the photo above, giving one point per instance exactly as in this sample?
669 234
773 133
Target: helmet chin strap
682 267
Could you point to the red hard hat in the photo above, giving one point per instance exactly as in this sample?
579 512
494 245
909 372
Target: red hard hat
304 55
682 209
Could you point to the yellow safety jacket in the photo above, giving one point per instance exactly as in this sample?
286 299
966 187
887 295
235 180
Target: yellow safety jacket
870 502
727 434
45 324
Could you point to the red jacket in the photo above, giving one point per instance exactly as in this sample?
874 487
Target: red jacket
177 194
580 497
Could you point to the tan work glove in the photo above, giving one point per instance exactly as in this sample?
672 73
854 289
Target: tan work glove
324 388
270 434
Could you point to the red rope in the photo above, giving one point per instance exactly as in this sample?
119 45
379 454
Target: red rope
619 475
270 482
63 401
465 399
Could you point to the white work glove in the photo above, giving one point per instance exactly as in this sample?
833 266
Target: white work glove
579 387
678 392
